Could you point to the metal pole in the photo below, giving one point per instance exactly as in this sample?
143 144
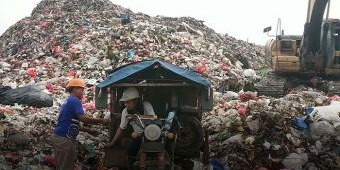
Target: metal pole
276 40
308 11
278 27
328 9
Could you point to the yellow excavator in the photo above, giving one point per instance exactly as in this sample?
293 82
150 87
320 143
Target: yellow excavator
309 59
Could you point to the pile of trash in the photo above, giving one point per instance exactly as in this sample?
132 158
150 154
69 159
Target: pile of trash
93 36
63 39
294 132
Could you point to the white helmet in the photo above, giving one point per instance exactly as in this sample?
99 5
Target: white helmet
129 94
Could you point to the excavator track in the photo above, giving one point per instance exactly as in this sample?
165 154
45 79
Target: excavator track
271 85
276 85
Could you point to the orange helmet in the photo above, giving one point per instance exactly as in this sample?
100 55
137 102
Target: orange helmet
77 82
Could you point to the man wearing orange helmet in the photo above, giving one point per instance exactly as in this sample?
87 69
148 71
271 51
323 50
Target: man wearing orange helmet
67 128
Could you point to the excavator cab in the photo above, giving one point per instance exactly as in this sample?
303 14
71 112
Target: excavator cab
337 46
285 58
331 47
283 51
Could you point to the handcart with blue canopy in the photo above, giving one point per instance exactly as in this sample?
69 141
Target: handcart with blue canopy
170 89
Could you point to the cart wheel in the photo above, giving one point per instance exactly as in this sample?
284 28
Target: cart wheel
190 137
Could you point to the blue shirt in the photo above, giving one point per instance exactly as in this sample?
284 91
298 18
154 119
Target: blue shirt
68 125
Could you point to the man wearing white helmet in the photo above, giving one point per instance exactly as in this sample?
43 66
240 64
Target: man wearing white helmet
133 105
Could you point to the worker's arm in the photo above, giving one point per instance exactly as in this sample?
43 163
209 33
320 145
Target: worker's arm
80 114
123 124
85 119
115 138
84 129
88 130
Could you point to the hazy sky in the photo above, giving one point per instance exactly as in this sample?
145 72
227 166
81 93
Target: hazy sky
243 19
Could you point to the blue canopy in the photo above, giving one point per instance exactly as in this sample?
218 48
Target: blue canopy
153 70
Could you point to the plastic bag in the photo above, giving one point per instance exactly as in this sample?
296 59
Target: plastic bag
28 95
125 18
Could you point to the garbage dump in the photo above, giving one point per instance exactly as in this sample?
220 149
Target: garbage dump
64 39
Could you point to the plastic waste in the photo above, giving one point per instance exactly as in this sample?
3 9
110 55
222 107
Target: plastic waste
201 68
300 122
253 124
32 72
329 113
250 73
216 165
131 54
125 18
27 95
294 161
169 120
321 128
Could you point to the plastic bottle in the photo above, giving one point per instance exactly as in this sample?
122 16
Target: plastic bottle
169 120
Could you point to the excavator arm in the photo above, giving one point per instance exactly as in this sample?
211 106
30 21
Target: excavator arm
312 32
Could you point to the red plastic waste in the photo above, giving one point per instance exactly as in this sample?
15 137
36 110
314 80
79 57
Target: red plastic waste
245 97
49 87
44 25
5 110
56 50
32 72
89 106
135 59
335 98
225 67
186 41
50 161
241 109
201 68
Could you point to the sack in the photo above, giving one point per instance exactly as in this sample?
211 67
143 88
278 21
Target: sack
28 95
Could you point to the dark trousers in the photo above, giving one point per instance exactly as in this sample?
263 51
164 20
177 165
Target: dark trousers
134 147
